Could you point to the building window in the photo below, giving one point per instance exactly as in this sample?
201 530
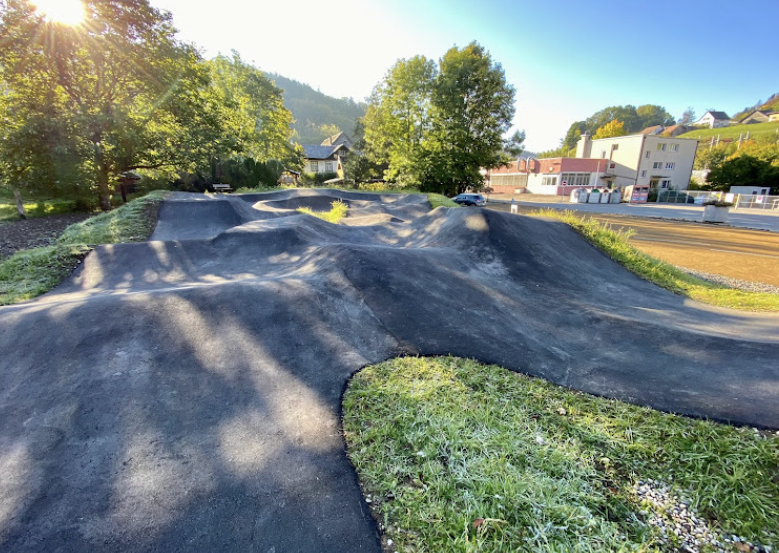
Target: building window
665 183
657 165
549 181
329 166
576 179
674 147
661 147
643 174
315 166
647 155
670 165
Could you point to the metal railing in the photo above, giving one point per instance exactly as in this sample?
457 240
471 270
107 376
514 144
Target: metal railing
699 197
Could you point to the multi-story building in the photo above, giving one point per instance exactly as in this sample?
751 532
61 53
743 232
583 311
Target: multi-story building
639 159
657 161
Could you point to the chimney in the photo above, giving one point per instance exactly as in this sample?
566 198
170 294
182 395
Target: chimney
584 147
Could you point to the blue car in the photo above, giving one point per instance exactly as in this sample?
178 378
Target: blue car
470 199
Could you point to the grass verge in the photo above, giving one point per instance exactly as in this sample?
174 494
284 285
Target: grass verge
30 273
439 200
337 212
458 456
615 244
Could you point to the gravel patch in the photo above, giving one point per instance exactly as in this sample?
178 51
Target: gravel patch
745 285
681 527
33 233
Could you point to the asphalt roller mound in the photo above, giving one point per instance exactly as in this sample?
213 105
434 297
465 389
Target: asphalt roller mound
184 393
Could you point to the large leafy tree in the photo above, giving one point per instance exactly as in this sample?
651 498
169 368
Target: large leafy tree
130 95
259 121
398 119
745 170
472 109
610 130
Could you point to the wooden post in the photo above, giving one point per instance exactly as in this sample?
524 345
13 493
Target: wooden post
19 203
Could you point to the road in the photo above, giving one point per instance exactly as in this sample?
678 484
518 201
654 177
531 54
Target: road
745 254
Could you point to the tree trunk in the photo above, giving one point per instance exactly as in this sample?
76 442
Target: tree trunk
103 191
103 184
19 203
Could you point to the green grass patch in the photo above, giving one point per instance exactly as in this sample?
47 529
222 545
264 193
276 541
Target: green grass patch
439 200
337 212
458 456
132 222
615 244
30 273
754 130
37 208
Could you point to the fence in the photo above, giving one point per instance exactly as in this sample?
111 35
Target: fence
698 197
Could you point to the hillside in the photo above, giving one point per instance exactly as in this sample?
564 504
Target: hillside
754 130
317 115
772 104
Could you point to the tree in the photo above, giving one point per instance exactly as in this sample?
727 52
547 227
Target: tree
398 119
651 115
472 108
261 123
573 135
130 94
688 117
744 170
611 129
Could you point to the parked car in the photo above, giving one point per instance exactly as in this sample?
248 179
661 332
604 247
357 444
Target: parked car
470 199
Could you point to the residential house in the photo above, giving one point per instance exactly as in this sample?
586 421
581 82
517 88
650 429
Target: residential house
773 117
713 119
329 156
676 130
756 116
657 129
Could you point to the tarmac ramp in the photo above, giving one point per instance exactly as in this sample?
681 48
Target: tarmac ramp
184 393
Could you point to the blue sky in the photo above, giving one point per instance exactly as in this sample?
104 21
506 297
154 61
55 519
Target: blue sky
566 58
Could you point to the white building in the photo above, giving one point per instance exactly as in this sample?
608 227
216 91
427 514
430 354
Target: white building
714 119
639 159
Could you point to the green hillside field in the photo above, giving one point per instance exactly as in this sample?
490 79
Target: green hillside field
754 130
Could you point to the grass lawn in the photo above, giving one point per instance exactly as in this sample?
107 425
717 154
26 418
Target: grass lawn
453 455
30 273
615 244
754 130
33 208
337 212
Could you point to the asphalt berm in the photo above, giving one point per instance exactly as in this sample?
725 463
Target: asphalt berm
183 394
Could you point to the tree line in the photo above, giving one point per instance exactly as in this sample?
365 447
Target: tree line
83 105
86 107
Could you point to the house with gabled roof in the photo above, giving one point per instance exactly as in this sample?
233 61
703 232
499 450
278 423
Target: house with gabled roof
757 116
327 157
714 119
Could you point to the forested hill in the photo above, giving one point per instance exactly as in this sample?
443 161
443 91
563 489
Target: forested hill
317 115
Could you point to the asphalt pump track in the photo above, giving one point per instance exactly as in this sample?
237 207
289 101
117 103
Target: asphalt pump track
184 393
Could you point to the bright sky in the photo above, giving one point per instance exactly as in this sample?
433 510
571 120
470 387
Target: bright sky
566 58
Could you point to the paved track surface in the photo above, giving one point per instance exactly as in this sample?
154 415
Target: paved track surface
739 253
184 394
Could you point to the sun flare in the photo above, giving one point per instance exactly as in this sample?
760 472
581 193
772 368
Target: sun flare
67 12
